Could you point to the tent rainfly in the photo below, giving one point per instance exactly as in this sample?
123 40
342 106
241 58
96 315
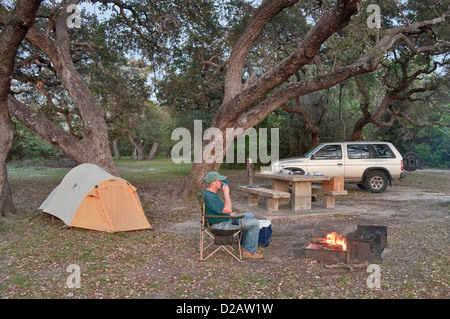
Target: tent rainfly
89 197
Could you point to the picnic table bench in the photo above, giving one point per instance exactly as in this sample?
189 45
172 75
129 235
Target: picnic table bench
272 196
329 195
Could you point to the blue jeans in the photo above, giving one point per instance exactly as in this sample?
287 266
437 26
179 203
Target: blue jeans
250 236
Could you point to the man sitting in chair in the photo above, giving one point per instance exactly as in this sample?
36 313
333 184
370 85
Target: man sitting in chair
215 206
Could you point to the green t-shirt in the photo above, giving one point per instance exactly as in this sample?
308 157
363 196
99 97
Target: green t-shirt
213 206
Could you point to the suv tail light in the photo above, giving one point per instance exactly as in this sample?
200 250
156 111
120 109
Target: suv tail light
402 165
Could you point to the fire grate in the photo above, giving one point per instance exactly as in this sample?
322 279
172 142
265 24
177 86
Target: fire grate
318 252
369 232
366 244
363 245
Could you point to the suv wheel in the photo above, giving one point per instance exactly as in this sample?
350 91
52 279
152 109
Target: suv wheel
376 181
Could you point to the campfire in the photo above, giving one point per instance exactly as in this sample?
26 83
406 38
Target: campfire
335 240
332 241
365 244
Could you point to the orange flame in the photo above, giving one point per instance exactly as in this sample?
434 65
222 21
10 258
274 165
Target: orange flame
335 239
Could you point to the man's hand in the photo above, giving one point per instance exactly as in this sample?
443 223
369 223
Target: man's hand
226 190
226 194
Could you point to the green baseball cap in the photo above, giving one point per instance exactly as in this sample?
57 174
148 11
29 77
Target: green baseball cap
212 176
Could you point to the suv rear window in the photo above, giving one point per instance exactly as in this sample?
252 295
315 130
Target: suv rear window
383 151
358 151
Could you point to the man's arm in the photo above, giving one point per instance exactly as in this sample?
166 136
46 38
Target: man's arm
227 201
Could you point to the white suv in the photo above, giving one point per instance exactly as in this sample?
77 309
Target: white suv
372 165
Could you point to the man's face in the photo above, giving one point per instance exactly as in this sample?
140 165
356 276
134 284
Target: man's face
218 184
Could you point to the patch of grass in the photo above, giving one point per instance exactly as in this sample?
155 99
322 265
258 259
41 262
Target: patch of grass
131 170
27 173
443 204
433 180
154 170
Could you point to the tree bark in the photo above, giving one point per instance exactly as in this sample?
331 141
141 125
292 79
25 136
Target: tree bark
13 32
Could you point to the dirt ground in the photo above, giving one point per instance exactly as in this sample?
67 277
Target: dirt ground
164 262
415 264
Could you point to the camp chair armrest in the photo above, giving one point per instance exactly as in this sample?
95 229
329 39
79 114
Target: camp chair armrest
228 218
224 217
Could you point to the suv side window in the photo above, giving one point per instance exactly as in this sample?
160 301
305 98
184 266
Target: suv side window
329 152
358 151
383 151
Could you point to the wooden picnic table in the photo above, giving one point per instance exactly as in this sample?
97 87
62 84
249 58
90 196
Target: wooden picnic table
301 186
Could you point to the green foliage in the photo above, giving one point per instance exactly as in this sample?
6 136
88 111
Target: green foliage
27 145
433 145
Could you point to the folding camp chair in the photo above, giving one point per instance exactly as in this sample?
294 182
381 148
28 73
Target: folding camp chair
224 239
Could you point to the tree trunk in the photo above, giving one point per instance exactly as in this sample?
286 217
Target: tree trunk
152 153
6 137
94 146
116 149
13 32
138 147
315 140
7 206
196 179
357 133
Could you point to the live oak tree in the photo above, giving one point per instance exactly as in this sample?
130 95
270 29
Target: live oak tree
52 39
149 30
246 104
51 62
402 78
404 87
13 30
198 84
409 74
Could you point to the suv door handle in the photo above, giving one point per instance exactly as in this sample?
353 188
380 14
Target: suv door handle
339 164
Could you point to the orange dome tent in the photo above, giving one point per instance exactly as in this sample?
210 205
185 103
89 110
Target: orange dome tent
89 197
